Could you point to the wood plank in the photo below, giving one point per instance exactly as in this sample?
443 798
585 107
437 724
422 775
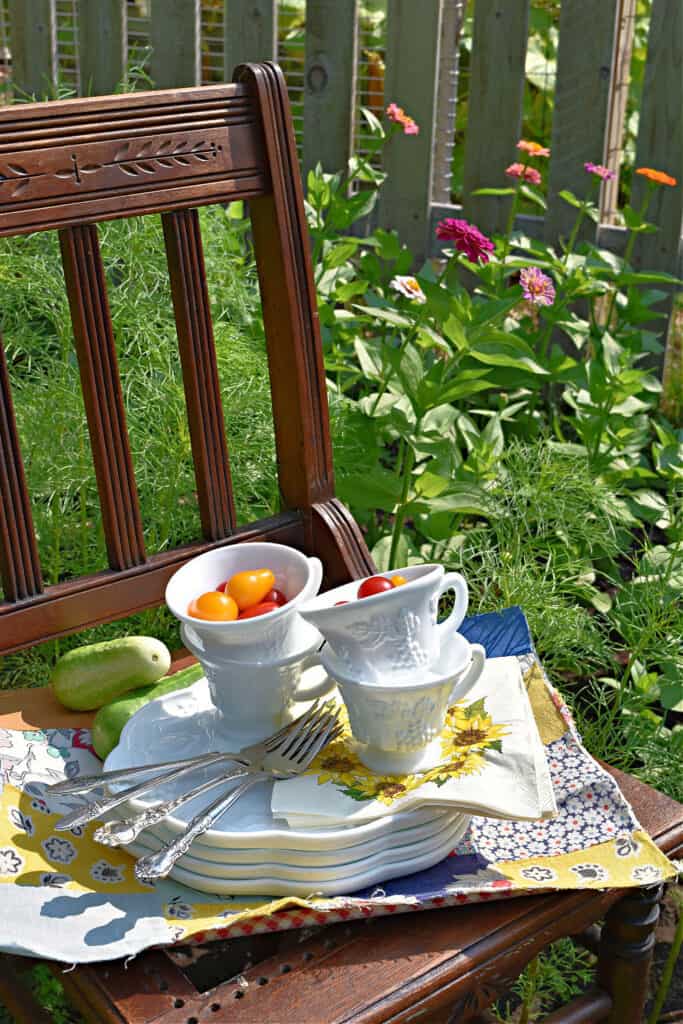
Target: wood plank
616 117
584 79
329 83
192 309
33 45
103 45
411 81
102 395
249 33
176 43
451 28
494 118
660 142
19 561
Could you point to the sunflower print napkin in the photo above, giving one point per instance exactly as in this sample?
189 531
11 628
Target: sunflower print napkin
67 898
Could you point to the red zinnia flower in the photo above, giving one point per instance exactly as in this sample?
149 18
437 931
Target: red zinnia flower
467 239
529 174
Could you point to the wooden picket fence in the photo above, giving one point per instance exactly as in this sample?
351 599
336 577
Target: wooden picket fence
417 68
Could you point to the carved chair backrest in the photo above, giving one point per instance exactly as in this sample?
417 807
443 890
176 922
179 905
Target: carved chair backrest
66 166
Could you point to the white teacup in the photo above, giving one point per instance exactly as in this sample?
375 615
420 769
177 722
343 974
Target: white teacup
264 637
391 634
398 725
253 698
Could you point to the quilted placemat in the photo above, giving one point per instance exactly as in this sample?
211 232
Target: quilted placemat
101 912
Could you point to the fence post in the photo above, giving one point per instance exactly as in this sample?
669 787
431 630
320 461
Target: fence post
451 28
660 142
616 117
585 70
102 36
411 80
329 83
250 33
494 116
33 44
174 35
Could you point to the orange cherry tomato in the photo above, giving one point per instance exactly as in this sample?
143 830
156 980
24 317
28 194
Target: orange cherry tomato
250 587
277 596
259 609
214 607
398 580
374 585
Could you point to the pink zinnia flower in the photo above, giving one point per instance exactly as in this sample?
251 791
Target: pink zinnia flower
529 174
398 116
600 171
467 239
533 148
538 287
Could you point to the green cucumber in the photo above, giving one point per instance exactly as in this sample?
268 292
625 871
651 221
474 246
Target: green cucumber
91 676
110 720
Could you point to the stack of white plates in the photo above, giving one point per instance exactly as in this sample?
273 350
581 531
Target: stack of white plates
247 851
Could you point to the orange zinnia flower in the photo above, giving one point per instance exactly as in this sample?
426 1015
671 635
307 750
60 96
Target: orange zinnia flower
659 177
533 148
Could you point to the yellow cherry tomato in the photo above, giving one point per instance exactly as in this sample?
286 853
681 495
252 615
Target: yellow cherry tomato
250 587
398 580
214 607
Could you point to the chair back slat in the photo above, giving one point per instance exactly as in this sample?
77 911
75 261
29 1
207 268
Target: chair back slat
98 366
19 562
200 372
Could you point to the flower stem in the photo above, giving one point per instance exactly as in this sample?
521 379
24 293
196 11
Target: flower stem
408 466
628 251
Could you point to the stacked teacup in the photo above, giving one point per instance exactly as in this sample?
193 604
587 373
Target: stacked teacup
398 669
256 667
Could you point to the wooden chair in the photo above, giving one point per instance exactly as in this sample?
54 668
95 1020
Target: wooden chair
68 165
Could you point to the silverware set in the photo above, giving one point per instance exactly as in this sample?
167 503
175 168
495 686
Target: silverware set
287 753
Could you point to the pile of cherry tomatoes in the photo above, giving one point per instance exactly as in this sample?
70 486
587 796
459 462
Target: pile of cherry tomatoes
244 596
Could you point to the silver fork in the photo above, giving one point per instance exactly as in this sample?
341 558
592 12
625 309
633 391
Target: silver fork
293 759
248 755
253 755
124 831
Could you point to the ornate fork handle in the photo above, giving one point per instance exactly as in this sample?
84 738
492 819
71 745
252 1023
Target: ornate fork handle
97 808
120 833
158 864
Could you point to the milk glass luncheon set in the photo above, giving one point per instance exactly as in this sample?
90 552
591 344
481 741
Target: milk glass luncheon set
270 644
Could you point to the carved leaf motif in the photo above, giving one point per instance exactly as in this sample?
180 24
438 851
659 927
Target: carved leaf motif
120 153
164 162
17 169
148 168
129 169
146 149
182 160
66 172
202 156
89 168
163 146
21 187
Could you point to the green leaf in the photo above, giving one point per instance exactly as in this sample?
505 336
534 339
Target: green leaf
498 348
533 196
671 696
369 358
344 292
378 489
340 253
648 277
570 198
388 316
495 745
493 192
478 708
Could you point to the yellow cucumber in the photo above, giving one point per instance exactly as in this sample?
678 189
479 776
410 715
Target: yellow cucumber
110 720
91 676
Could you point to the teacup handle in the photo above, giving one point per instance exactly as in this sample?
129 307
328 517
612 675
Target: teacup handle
312 691
473 672
314 581
453 581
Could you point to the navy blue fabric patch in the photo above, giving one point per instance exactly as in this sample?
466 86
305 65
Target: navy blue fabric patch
501 633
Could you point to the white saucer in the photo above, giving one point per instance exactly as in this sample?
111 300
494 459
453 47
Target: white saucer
186 723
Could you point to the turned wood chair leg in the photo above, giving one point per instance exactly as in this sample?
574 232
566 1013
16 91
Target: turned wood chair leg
627 941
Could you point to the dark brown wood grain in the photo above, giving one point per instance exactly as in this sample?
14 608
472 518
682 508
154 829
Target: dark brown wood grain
200 372
19 563
101 386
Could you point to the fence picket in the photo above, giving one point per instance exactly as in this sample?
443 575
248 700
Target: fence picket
584 63
412 60
494 116
103 45
175 39
660 139
329 82
33 42
250 33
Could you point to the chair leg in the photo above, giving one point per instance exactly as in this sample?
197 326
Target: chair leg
627 941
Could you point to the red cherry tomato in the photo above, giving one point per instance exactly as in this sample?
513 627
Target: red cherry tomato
258 609
275 595
374 585
337 603
222 587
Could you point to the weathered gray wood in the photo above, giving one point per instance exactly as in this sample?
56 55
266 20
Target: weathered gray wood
329 82
102 45
250 33
175 39
451 27
495 105
411 80
584 76
660 138
616 116
33 43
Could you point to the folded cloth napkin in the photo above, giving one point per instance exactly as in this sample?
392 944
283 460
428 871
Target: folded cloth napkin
492 764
